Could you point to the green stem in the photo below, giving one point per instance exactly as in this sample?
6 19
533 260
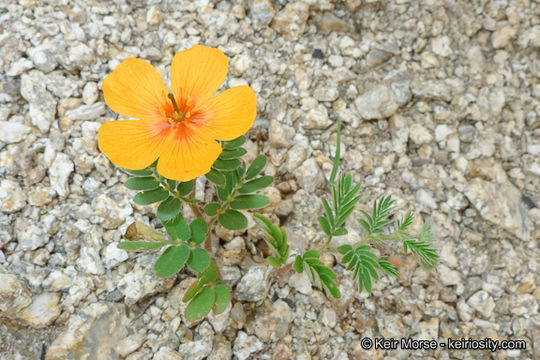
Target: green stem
223 207
175 194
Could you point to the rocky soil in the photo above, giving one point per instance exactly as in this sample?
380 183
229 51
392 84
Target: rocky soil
440 101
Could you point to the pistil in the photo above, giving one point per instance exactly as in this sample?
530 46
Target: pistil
178 115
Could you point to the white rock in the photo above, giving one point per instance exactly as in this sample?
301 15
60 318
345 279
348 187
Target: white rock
59 173
42 105
93 333
295 157
30 235
447 276
328 92
441 46
502 36
12 132
165 353
89 261
378 102
12 198
43 310
328 317
280 135
317 118
482 302
273 326
261 12
44 55
90 93
291 20
129 344
87 112
419 134
425 197
240 64
18 67
14 296
196 350
113 208
245 345
141 281
301 283
253 286
310 175
442 131
400 133
57 281
499 204
113 256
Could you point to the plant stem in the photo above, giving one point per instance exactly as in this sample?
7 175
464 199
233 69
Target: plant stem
224 207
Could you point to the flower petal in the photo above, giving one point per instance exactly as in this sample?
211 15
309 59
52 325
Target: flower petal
132 144
136 89
187 153
198 73
229 114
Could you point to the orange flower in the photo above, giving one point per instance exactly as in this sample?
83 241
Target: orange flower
179 128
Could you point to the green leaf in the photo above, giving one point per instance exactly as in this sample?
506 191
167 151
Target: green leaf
178 228
142 183
171 183
232 153
209 274
198 230
270 229
226 165
222 193
298 264
231 179
343 249
387 267
192 290
168 209
198 259
330 285
324 225
311 254
211 209
201 304
328 210
233 220
151 196
239 141
340 232
256 167
172 260
275 262
256 184
141 245
251 201
143 172
215 176
185 188
223 296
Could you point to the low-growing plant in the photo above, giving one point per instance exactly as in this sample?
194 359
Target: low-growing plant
187 133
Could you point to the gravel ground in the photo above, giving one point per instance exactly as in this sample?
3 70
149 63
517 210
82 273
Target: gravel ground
440 102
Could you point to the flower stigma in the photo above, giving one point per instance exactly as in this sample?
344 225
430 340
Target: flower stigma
177 115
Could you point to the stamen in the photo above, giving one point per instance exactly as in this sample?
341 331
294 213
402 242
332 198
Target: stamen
177 113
